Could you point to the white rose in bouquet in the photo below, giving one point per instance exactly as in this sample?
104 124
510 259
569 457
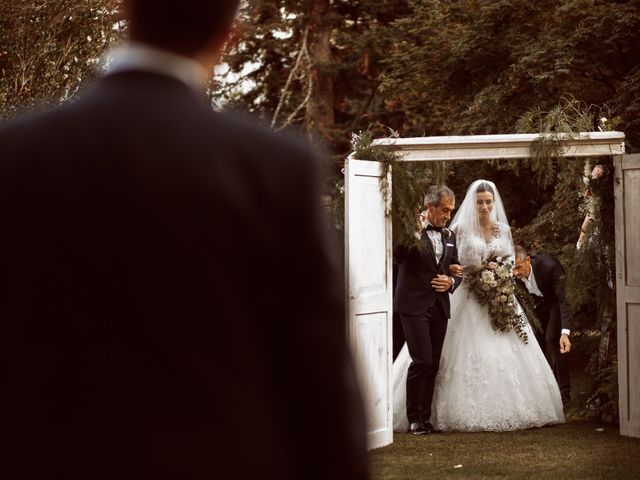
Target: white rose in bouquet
487 277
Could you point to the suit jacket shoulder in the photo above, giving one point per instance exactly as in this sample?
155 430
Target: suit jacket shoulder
550 278
146 240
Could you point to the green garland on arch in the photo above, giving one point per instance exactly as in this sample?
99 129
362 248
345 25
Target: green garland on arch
410 181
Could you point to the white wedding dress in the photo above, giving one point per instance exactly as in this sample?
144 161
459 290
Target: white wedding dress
487 381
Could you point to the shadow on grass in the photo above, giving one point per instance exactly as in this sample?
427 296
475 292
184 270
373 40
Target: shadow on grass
576 450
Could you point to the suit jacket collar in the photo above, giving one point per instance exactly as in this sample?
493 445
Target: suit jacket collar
145 84
537 272
535 266
432 253
444 247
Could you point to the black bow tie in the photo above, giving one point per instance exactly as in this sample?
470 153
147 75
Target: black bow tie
435 229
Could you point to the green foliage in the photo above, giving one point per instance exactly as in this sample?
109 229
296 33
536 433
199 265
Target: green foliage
363 149
590 269
473 66
263 56
410 182
260 57
597 391
602 404
564 121
47 49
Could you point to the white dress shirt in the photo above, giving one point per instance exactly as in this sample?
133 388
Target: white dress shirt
436 241
532 286
438 247
135 56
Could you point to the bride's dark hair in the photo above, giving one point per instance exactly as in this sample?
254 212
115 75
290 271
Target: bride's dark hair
485 187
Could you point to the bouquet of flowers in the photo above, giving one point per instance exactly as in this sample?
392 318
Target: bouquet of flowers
493 285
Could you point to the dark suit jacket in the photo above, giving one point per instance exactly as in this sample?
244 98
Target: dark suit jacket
552 308
168 308
417 267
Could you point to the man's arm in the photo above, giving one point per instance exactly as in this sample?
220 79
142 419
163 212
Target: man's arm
557 277
400 254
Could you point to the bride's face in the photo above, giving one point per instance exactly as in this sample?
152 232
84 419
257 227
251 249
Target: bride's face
484 204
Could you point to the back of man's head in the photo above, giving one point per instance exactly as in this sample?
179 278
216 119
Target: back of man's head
185 27
521 252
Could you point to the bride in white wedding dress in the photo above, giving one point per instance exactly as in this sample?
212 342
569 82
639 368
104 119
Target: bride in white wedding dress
488 381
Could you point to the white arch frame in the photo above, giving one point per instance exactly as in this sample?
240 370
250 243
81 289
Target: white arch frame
368 258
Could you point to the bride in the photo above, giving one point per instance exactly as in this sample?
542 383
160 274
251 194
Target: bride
488 381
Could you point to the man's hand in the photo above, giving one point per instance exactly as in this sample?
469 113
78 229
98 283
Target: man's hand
565 343
442 283
455 269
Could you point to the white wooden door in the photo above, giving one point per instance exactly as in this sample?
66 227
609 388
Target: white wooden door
368 263
627 196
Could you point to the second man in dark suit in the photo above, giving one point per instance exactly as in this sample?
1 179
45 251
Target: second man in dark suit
543 276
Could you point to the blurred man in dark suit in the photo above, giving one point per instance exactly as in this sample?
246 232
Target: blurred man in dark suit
168 307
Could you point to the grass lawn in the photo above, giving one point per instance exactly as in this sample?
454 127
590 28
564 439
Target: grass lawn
576 450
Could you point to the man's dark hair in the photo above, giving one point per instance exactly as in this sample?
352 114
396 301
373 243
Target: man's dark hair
184 27
435 194
521 252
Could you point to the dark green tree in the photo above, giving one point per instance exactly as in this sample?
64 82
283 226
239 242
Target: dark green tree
474 66
311 64
49 48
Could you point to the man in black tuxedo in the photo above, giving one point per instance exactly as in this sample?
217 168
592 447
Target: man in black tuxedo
543 276
422 302
168 306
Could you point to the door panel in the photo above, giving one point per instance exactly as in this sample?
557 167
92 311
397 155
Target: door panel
627 196
369 278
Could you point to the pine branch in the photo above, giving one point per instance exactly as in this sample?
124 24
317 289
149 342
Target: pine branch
302 53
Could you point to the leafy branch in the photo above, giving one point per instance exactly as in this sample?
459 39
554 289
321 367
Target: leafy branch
410 181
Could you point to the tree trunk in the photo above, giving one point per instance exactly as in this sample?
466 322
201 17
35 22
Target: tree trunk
319 116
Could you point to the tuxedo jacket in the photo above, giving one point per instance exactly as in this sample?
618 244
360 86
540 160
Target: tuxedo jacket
552 307
168 307
417 267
